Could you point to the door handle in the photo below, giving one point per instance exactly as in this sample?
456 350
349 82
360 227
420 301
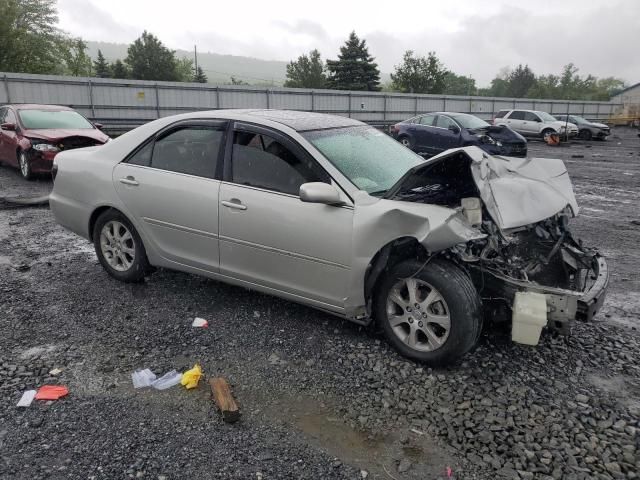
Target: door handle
234 203
129 180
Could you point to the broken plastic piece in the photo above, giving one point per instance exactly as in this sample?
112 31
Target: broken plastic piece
200 322
55 371
51 392
190 378
168 380
142 378
529 317
27 398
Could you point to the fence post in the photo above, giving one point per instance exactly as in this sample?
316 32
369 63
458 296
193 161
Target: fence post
313 101
349 104
384 108
470 105
598 112
416 105
493 107
218 106
157 101
6 88
266 91
444 104
93 110
583 105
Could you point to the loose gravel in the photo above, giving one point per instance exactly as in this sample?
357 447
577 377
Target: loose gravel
320 398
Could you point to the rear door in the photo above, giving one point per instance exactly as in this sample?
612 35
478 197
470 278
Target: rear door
515 120
8 138
171 184
268 236
424 134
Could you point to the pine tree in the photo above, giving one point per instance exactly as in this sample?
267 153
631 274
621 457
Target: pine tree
149 59
200 76
101 67
355 68
119 70
306 72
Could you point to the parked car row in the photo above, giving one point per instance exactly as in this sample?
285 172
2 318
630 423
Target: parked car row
32 135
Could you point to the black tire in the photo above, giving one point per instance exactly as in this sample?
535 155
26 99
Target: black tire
585 134
461 302
139 265
406 141
24 165
546 132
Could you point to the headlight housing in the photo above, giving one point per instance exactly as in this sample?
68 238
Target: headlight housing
486 139
44 147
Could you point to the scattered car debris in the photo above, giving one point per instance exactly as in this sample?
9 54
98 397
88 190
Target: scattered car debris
14 202
51 392
416 431
55 372
224 399
27 398
191 377
200 322
142 378
168 380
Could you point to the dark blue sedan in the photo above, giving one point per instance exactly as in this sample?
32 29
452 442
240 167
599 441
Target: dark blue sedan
433 133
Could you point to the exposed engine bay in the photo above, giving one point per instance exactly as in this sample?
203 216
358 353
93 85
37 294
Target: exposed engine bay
541 256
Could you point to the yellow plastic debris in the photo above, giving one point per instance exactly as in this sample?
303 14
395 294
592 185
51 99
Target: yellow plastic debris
190 378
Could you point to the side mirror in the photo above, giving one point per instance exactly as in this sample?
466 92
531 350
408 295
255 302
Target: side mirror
319 192
99 126
454 128
8 126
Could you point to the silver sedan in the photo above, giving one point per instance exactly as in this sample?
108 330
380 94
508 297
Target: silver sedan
329 212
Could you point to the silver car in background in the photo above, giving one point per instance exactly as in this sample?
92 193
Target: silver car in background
587 130
329 212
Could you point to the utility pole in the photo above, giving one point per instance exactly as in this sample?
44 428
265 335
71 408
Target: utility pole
195 58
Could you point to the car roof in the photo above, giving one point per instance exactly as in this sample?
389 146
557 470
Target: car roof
36 106
297 120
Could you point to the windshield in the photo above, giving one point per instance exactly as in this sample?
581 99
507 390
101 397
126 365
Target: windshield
546 117
470 121
373 161
577 119
40 119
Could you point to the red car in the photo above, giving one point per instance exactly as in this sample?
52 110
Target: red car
31 135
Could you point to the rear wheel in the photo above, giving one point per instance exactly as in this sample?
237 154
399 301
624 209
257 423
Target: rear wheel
25 166
585 134
119 248
430 313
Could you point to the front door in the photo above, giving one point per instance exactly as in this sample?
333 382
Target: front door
268 236
170 188
446 138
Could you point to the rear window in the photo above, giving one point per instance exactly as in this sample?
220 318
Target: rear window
501 113
41 119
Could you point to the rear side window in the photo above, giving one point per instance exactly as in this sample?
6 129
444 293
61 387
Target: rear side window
517 115
261 161
427 120
501 113
193 150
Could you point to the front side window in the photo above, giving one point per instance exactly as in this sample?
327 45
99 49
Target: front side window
371 160
258 160
43 119
501 113
546 117
531 117
193 150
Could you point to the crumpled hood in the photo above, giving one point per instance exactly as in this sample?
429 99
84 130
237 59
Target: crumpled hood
56 135
598 125
515 191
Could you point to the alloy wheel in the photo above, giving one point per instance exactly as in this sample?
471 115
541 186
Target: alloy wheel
418 314
117 245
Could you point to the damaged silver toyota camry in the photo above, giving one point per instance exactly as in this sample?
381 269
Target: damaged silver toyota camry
329 212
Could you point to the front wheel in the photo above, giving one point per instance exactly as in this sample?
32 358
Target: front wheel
585 134
430 313
407 142
25 166
119 248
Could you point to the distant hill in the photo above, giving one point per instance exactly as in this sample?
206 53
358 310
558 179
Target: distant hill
218 68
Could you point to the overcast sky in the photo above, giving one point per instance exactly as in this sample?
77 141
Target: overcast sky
475 38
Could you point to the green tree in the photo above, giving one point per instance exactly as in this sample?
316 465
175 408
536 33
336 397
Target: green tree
459 85
184 69
119 69
77 60
520 81
200 76
418 74
237 81
148 59
355 69
306 72
30 40
101 67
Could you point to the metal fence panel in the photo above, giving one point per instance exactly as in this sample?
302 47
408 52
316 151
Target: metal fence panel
135 101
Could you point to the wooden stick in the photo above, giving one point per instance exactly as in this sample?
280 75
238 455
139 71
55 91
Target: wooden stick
224 399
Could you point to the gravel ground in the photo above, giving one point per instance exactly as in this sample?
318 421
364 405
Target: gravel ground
321 398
